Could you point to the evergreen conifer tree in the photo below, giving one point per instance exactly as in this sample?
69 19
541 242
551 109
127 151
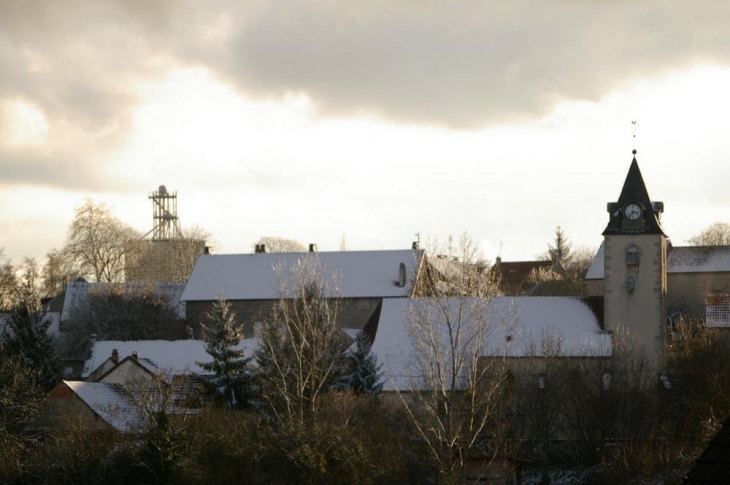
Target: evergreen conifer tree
365 376
26 339
231 378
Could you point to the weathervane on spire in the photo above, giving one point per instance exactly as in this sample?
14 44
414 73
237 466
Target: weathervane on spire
633 134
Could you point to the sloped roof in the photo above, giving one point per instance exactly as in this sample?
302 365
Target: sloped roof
713 465
513 274
77 294
634 190
55 327
446 267
171 357
699 259
597 269
110 402
519 327
259 276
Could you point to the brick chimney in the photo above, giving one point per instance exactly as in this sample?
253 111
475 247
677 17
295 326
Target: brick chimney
115 356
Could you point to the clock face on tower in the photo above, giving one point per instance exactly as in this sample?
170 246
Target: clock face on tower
632 212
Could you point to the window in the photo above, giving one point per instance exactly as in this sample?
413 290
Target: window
632 256
717 311
630 283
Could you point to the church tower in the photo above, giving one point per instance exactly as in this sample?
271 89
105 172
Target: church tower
635 272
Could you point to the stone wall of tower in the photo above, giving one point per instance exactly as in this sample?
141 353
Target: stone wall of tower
164 260
641 311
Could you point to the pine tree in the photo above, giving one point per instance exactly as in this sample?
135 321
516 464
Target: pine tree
231 377
27 340
561 250
365 376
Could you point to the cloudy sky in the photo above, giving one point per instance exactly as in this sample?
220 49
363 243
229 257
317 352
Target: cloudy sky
373 120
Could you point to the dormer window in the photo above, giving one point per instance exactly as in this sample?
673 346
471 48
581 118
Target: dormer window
632 256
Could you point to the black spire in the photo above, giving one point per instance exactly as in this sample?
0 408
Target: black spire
634 192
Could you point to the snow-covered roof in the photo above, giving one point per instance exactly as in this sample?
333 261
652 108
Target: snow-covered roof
596 271
448 268
55 326
110 402
77 294
699 259
260 276
681 259
170 357
519 327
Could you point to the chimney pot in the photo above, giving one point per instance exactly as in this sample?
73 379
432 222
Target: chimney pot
134 354
115 356
312 248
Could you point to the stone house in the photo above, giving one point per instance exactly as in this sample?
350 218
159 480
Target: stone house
91 405
357 281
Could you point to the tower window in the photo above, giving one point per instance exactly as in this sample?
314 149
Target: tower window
630 283
632 256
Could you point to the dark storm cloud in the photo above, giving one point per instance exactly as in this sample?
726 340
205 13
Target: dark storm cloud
68 170
461 64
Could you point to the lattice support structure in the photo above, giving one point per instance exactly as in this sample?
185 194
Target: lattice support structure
164 215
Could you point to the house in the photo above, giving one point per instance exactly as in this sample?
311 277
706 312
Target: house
77 294
123 362
91 405
254 283
517 329
126 379
514 276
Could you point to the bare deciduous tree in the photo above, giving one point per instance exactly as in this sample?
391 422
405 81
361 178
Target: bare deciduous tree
19 285
98 243
20 401
120 312
458 271
456 400
55 273
456 397
276 244
565 277
300 353
717 234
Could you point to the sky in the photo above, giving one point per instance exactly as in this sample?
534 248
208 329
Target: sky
363 122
